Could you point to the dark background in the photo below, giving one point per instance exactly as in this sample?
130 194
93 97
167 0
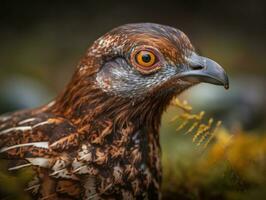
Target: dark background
42 41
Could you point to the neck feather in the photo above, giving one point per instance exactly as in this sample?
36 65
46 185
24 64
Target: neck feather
83 102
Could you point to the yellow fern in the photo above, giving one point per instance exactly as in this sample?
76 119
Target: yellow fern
191 123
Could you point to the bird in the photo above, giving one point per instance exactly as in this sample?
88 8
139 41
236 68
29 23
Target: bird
99 138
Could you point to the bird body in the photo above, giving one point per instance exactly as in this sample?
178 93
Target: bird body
107 159
99 139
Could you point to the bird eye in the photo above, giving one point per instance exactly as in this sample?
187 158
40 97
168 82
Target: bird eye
145 58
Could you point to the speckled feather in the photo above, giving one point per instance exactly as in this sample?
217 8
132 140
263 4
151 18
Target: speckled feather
99 139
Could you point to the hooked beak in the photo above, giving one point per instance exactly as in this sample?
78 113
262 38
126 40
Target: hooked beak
201 69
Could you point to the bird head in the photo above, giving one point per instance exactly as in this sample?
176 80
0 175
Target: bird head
140 63
144 59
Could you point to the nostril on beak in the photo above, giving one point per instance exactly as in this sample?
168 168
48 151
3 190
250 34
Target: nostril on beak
197 67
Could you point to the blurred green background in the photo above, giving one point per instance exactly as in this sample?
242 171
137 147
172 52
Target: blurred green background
42 41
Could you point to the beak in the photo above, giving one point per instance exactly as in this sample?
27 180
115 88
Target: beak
201 69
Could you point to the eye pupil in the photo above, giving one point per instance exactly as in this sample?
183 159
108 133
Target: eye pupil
146 58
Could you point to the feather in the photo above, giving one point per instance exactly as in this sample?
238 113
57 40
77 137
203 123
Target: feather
44 145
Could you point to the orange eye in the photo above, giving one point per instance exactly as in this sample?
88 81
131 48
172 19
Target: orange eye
145 58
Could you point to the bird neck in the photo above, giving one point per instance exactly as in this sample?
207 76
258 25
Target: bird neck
83 104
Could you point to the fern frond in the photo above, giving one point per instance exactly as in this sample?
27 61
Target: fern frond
192 123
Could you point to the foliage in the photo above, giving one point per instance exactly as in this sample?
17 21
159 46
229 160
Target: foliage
226 166
202 133
12 184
